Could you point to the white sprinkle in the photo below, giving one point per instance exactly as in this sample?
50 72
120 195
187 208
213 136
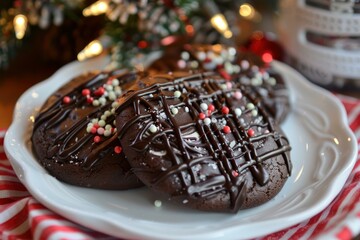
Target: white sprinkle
107 113
177 94
107 133
115 82
238 111
102 101
108 127
157 203
112 95
254 112
102 123
96 103
201 56
95 120
245 64
271 81
109 87
185 55
232 144
153 128
250 106
115 104
186 109
185 201
207 121
204 106
103 117
174 110
88 129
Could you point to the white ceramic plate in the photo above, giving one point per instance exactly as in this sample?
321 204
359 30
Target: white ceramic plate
324 152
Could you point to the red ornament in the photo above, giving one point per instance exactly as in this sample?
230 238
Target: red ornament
225 110
89 99
142 44
66 100
266 46
226 129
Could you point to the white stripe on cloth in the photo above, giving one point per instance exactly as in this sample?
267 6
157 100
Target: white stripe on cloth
66 235
354 114
38 231
4 178
21 229
11 211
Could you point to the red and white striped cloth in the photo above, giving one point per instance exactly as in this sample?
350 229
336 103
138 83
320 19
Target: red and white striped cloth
22 217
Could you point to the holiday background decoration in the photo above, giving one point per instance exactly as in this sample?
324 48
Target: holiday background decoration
127 30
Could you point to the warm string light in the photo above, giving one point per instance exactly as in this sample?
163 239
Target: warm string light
20 25
95 9
247 11
219 22
93 49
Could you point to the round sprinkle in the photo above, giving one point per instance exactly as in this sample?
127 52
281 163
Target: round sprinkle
228 85
157 203
225 110
207 121
238 111
115 82
102 123
108 127
96 103
226 129
204 106
211 107
100 91
85 92
235 173
153 128
88 129
102 101
107 132
100 131
66 99
97 139
109 87
271 81
89 100
112 96
93 130
181 64
202 116
117 149
254 112
238 95
177 94
185 55
251 132
186 109
250 106
174 110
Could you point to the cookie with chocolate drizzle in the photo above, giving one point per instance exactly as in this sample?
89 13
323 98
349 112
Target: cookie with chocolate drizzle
260 78
203 141
74 137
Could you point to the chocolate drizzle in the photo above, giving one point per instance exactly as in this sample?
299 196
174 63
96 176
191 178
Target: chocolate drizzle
184 144
62 126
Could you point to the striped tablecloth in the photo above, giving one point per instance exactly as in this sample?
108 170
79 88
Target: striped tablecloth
23 217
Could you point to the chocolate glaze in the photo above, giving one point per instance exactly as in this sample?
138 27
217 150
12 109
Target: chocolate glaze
197 163
64 147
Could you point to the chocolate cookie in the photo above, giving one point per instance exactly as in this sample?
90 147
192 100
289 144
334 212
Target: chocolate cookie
261 79
203 141
74 137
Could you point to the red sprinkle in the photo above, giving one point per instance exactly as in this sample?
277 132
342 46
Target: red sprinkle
66 99
235 173
93 130
225 110
211 107
117 149
251 132
89 100
96 125
100 91
85 92
97 139
226 129
224 74
202 116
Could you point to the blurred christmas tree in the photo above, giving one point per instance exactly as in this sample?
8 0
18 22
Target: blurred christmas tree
128 30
